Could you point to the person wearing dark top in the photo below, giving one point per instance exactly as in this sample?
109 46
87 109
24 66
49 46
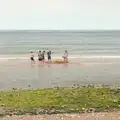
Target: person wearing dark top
43 55
49 55
39 56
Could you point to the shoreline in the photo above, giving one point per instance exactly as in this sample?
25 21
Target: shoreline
55 56
77 86
27 56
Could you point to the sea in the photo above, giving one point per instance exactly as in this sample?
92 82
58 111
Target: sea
77 43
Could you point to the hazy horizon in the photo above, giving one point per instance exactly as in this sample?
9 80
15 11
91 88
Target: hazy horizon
80 30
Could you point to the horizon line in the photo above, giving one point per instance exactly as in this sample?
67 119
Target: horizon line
59 30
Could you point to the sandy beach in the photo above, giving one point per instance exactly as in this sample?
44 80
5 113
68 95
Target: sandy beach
21 74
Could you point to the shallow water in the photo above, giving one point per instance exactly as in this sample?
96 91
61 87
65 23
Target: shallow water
21 74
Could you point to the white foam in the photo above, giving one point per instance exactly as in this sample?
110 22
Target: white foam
58 57
112 57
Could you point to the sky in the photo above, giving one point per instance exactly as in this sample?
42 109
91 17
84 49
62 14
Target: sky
59 14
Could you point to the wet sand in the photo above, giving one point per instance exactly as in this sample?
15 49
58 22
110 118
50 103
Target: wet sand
22 75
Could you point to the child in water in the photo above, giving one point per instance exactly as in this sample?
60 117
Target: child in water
32 58
65 57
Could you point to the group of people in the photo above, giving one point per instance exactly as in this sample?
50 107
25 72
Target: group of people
41 56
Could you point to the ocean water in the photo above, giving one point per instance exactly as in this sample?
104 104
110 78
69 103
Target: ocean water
17 73
78 43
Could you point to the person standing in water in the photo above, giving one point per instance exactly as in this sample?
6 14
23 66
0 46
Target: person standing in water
65 57
43 56
49 55
39 56
32 58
